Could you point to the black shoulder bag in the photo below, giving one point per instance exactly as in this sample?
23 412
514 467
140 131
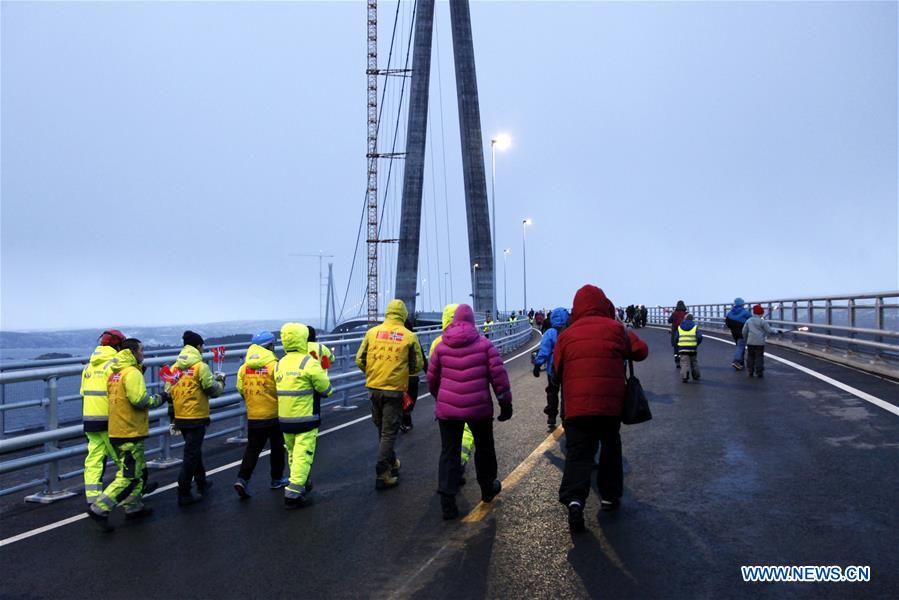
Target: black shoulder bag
636 406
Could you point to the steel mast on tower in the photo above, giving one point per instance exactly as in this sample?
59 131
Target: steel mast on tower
371 199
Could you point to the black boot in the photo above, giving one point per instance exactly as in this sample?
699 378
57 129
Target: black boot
448 506
489 493
576 517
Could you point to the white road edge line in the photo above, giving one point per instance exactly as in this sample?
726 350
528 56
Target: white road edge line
837 384
171 486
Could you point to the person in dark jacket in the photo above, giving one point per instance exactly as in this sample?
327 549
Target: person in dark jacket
629 313
735 318
589 363
675 319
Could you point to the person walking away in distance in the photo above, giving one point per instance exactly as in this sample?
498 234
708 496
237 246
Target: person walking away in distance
558 318
675 319
388 355
95 411
589 362
301 383
129 426
735 319
191 390
688 339
467 438
756 330
256 383
463 369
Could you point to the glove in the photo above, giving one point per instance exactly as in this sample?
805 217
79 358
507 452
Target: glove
174 431
220 377
164 397
505 412
536 370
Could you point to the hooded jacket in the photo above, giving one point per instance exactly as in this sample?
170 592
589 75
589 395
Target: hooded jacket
193 389
687 325
95 403
677 317
735 319
129 402
300 381
462 370
557 320
256 383
589 358
390 353
448 312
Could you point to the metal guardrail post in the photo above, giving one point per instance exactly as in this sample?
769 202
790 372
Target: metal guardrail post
2 412
50 493
828 316
850 307
878 316
165 459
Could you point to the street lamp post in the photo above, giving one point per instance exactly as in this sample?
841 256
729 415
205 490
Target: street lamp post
524 257
506 253
503 141
474 284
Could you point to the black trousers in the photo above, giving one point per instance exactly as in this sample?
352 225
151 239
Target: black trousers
256 439
552 399
450 467
192 465
755 359
582 436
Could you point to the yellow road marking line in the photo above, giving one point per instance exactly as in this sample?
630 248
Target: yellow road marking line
483 508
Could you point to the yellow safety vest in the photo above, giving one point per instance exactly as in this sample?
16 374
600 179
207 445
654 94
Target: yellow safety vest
300 382
95 403
260 393
487 325
126 420
188 398
686 337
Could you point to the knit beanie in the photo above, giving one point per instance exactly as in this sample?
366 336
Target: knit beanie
758 310
739 301
192 339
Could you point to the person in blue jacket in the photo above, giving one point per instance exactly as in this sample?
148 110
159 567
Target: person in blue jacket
558 318
736 317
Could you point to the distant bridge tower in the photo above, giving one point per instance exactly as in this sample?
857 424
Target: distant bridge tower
479 241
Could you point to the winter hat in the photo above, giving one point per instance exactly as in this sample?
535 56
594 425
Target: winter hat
111 337
758 310
263 338
191 338
311 337
739 301
681 305
688 317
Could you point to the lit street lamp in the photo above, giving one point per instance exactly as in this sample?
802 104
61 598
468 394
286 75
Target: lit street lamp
524 257
502 141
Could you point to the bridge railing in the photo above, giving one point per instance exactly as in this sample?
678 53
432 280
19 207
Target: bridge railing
860 330
46 411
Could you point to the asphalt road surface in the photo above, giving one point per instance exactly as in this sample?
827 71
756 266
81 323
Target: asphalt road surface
732 471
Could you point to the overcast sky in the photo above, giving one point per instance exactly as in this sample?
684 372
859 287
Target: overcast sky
162 160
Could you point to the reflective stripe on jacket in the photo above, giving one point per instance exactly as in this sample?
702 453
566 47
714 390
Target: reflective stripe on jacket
300 382
190 394
95 403
686 338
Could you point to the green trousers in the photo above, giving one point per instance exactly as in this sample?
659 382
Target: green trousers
98 448
467 444
128 482
300 452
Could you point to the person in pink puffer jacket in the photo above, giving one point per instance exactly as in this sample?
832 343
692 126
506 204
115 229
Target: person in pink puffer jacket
461 372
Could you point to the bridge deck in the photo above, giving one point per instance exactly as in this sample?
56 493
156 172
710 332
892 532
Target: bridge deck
732 471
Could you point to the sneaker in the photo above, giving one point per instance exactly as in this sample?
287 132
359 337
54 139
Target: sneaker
395 469
386 480
293 503
738 366
448 506
240 486
576 517
149 488
188 499
735 365
204 489
141 513
488 494
609 505
277 484
102 520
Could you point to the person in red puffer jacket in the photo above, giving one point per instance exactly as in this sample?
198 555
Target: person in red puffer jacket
589 363
462 369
